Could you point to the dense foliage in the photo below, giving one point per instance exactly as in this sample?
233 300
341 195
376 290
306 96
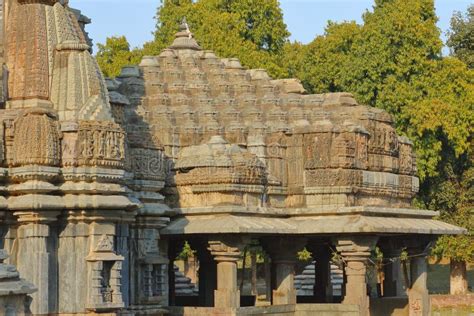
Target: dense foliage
461 36
115 54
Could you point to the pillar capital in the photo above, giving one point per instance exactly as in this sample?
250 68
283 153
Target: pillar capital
226 250
37 217
356 248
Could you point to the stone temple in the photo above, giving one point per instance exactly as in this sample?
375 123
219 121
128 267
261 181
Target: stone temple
103 181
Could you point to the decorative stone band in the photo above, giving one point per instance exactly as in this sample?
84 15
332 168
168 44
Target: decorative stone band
211 175
228 188
72 45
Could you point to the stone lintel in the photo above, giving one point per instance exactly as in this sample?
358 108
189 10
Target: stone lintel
284 249
148 221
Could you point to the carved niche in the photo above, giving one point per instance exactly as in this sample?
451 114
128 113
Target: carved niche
407 160
318 150
105 276
153 268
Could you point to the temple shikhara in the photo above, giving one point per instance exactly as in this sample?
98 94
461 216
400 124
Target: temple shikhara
102 181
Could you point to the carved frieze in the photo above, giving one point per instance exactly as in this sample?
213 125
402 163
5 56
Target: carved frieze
101 144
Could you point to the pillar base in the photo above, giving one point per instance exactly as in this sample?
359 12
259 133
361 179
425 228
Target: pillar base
224 298
284 297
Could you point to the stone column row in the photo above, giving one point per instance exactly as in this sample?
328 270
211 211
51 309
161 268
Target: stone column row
218 273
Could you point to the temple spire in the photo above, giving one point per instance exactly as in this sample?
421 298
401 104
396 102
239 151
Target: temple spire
184 38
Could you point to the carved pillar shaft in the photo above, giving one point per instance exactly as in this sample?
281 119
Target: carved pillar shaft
283 253
355 253
37 257
393 281
418 296
73 247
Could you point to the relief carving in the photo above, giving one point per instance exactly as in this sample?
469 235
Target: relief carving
101 143
148 163
36 139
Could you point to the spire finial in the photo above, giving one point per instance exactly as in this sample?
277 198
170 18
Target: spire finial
184 38
184 27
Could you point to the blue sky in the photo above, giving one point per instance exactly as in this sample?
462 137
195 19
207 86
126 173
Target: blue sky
305 18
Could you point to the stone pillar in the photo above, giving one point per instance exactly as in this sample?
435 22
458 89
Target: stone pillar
226 254
284 269
149 264
207 280
283 253
458 284
322 286
418 296
190 266
37 257
73 247
355 252
393 281
34 159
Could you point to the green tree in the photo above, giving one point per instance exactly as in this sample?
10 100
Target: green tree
115 54
324 65
254 34
393 61
461 36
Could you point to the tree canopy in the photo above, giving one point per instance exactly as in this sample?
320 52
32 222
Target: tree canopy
115 54
461 36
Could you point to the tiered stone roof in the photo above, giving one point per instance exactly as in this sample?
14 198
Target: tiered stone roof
319 150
